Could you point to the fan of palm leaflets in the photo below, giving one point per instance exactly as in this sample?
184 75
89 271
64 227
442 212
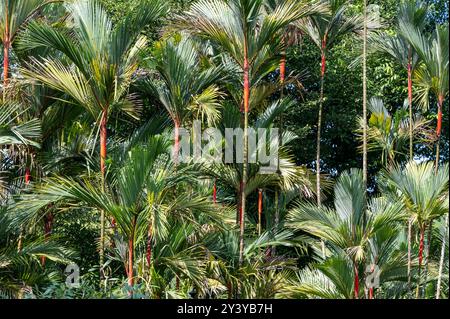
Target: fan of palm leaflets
351 224
390 133
20 270
185 89
13 130
423 193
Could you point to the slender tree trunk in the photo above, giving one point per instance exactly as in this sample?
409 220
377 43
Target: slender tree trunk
319 128
365 96
148 253
246 95
282 69
239 206
103 154
282 78
176 148
130 262
427 260
259 210
6 46
356 281
411 147
27 175
409 253
214 192
229 290
48 225
276 204
319 119
442 259
243 199
421 244
438 130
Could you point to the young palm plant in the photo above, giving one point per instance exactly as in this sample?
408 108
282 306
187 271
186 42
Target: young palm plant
351 224
186 89
423 194
390 133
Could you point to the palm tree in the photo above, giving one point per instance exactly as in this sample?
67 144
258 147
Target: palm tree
422 192
432 75
140 195
14 14
103 60
351 224
186 89
290 177
390 133
15 131
334 277
250 37
325 31
20 270
444 248
364 95
411 12
289 37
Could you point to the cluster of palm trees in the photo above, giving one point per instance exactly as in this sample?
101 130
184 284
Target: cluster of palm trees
171 229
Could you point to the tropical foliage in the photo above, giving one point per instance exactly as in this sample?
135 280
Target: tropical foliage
113 121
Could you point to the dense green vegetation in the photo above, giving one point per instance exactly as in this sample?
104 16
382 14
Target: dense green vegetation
96 95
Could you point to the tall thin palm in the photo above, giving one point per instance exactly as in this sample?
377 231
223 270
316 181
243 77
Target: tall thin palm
325 31
411 12
422 191
13 15
249 36
20 270
433 73
186 88
103 59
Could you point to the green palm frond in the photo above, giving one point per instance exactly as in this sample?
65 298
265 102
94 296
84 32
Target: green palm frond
419 188
13 130
433 52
